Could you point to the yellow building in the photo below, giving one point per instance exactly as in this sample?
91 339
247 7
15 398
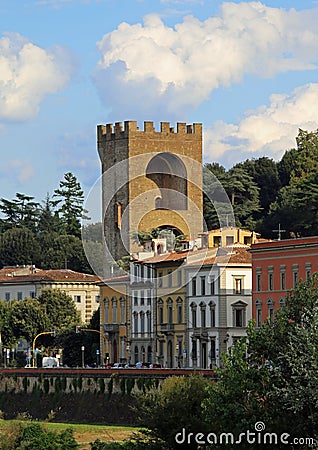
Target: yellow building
114 319
162 340
17 283
228 236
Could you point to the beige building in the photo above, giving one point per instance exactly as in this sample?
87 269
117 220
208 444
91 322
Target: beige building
17 283
115 319
228 236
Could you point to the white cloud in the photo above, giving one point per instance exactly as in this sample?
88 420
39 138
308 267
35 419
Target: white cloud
28 74
178 68
21 171
266 131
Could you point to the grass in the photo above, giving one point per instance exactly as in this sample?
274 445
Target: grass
83 433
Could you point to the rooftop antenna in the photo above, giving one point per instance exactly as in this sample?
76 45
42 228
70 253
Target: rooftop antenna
279 231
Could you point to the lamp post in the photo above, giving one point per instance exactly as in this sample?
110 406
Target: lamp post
83 356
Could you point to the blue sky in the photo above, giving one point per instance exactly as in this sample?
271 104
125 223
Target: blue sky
246 70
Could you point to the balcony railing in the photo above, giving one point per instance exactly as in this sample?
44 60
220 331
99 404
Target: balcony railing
111 328
166 327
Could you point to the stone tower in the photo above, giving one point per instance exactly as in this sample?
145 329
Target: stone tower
150 179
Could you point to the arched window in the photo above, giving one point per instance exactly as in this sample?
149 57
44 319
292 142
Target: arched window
169 173
114 305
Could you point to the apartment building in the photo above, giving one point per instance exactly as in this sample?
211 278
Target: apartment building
17 283
276 267
218 303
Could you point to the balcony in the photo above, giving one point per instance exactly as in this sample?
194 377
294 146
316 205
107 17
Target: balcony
167 328
111 328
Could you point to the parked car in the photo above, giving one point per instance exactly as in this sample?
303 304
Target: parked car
155 366
130 366
118 366
142 365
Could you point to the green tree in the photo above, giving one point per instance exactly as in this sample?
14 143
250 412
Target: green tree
286 166
22 211
6 335
265 174
71 199
244 196
177 405
59 308
49 220
28 318
18 246
273 377
63 251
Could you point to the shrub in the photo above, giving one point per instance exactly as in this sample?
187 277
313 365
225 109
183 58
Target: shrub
33 436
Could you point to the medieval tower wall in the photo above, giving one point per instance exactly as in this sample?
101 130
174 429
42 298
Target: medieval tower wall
150 179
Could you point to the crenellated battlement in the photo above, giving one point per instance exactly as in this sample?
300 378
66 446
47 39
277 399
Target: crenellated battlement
122 130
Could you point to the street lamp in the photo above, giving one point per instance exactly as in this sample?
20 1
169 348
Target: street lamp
83 356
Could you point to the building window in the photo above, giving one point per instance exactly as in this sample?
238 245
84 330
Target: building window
135 298
179 277
213 348
295 274
179 313
258 313
114 304
142 322
194 286
77 299
239 315
7 296
169 306
258 280
212 314
135 272
270 307
149 322
229 240
203 314
149 298
270 281
179 309
32 294
308 270
106 310
202 285
160 311
122 310
135 323
19 295
142 298
283 281
169 278
194 349
160 279
238 285
212 285
194 314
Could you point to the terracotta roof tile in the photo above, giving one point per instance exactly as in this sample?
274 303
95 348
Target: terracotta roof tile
17 274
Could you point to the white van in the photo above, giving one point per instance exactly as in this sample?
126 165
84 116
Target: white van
50 361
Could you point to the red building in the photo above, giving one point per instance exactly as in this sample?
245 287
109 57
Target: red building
276 268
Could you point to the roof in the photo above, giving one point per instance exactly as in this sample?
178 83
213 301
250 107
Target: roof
165 257
32 274
285 243
226 256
